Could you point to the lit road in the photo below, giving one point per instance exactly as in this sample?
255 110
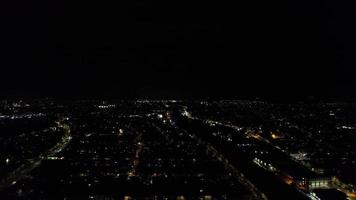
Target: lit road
31 164
253 134
136 159
226 163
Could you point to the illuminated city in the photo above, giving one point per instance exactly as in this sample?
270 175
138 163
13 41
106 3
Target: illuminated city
176 150
178 100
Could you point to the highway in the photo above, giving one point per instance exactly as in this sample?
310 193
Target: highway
248 133
226 163
30 164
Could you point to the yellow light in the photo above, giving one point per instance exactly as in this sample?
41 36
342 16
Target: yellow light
180 198
275 136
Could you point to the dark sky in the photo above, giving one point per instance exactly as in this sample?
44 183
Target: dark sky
167 49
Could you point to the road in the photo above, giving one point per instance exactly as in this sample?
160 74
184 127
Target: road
31 164
226 163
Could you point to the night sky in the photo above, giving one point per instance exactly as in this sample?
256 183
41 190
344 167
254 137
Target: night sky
178 49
